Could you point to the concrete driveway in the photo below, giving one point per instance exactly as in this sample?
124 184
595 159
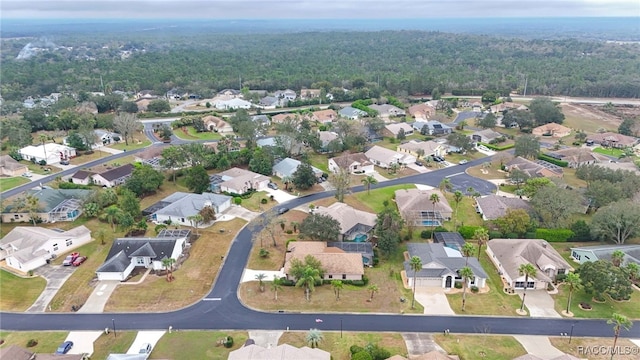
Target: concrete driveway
540 304
83 341
267 339
143 337
55 275
98 298
280 195
539 346
420 343
433 300
240 212
418 168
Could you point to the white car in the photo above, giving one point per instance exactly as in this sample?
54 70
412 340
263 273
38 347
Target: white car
463 161
27 175
145 349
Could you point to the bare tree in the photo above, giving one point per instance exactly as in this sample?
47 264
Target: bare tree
340 181
127 125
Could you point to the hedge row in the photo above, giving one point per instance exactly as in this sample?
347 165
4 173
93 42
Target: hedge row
554 161
554 235
497 148
68 186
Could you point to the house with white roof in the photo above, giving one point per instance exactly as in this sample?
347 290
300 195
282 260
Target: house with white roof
238 181
384 157
232 104
585 254
50 153
428 148
352 113
288 166
355 225
179 206
394 129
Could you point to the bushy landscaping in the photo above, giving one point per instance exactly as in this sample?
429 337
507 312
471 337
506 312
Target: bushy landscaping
339 344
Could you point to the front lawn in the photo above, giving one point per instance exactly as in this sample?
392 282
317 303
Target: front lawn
466 213
609 151
254 203
338 344
320 161
10 183
196 345
190 133
375 199
19 293
481 347
116 344
580 345
83 157
263 239
40 169
47 341
604 310
139 141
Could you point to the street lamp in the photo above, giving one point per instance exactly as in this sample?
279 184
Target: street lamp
571 332
114 328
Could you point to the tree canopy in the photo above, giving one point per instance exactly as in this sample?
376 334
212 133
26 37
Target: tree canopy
320 228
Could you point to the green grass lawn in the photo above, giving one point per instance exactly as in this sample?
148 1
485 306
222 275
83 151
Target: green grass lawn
320 161
47 341
375 199
466 213
254 202
604 310
196 345
84 158
117 344
481 347
40 169
10 183
192 134
139 141
19 293
609 151
338 344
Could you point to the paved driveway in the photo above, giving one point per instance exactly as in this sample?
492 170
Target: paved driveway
99 297
540 304
240 212
539 346
267 339
418 168
83 341
420 343
144 337
433 300
55 275
280 195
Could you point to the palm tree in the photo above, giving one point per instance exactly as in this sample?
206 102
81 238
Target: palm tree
528 271
416 265
286 180
575 283
393 168
168 265
43 139
308 280
373 288
467 250
470 191
457 197
101 235
276 285
32 205
445 185
294 225
314 336
618 321
634 271
337 286
368 181
617 257
260 277
195 220
112 213
482 236
434 200
466 274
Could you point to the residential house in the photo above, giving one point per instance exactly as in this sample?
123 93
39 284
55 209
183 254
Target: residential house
505 106
326 137
486 136
15 352
476 106
280 118
465 116
324 116
422 111
228 94
232 104
432 127
388 110
54 205
356 163
428 148
150 156
337 264
352 113
618 165
216 124
603 252
577 157
307 94
416 207
26 248
113 177
128 253
610 139
10 167
551 129
355 225
538 168
441 266
372 135
452 240
286 95
288 166
280 352
106 137
50 153
238 181
364 249
492 207
384 157
179 206
509 254
144 94
143 104
269 102
82 177
393 129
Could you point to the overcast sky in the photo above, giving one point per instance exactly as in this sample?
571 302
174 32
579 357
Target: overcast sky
313 9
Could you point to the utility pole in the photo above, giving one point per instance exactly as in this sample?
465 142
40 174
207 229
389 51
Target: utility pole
101 83
525 86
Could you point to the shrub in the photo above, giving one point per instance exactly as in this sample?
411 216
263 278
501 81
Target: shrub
493 234
581 231
560 278
264 201
289 231
42 162
362 355
355 349
554 235
425 234
237 200
32 342
467 231
286 245
474 289
497 148
554 161
68 185
264 253
228 342
458 285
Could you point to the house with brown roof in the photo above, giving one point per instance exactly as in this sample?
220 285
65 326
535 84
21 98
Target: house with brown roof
577 157
355 225
280 118
428 148
507 106
150 156
551 129
611 139
306 94
356 163
394 129
326 137
387 110
492 206
216 124
509 254
385 158
113 177
422 111
538 168
10 167
82 177
240 181
336 263
324 116
415 207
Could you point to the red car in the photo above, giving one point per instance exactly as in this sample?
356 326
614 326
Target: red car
68 261
79 260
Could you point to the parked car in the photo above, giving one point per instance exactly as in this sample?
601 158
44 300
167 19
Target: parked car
145 349
419 163
437 158
64 348
27 174
282 210
463 161
68 261
273 186
64 162
79 260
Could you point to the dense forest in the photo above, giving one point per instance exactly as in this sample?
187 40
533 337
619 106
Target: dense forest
400 62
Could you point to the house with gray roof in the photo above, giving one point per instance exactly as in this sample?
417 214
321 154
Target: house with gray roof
261 119
603 252
415 206
288 166
351 113
485 136
440 267
393 129
384 157
180 206
269 102
387 110
492 207
113 177
128 253
432 127
355 225
53 205
356 163
238 181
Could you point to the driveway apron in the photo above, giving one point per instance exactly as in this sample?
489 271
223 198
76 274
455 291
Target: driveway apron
540 304
55 275
98 298
539 346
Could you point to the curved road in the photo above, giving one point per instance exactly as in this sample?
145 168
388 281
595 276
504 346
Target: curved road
221 308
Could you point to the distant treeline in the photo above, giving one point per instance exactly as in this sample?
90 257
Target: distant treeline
397 62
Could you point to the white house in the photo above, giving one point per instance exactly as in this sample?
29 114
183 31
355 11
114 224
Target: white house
604 252
51 153
27 247
384 157
356 163
239 181
232 104
128 253
179 206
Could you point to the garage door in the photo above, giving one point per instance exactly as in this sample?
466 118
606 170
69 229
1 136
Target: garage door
429 282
